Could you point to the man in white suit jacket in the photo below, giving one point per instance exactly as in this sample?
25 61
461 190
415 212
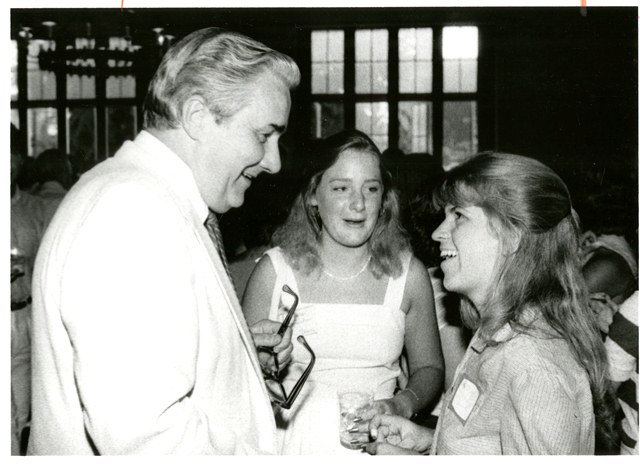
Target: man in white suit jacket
139 342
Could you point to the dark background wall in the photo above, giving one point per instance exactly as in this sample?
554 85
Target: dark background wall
560 85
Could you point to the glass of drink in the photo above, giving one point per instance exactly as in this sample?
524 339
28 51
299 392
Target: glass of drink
353 405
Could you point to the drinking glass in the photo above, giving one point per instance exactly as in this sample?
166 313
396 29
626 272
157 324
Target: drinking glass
353 405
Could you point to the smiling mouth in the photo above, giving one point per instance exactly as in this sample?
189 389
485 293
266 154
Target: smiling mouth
447 254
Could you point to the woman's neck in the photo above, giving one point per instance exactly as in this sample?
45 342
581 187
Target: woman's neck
343 260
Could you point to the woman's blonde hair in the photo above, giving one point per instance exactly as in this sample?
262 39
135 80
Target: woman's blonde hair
299 236
524 198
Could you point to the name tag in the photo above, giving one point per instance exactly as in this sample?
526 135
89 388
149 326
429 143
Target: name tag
465 398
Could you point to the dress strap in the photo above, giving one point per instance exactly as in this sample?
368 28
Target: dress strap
395 288
284 275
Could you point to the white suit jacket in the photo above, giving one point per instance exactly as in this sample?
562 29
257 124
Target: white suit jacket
139 342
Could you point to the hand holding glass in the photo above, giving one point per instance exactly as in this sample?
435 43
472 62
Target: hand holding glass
353 406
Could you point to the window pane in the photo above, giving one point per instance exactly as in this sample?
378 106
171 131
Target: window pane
380 44
42 130
363 78
424 76
336 78
319 81
326 119
13 56
373 119
460 133
468 75
460 54
363 45
407 75
380 83
372 61
336 47
460 75
121 126
41 84
319 46
459 42
451 70
415 51
415 120
122 86
327 57
424 43
81 134
79 85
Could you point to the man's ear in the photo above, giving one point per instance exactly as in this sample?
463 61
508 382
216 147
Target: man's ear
196 117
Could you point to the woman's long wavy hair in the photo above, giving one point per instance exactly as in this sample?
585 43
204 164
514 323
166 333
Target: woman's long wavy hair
525 199
300 235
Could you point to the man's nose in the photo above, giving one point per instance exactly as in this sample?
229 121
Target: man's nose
271 160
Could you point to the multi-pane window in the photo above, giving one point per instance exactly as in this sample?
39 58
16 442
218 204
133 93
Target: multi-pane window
389 88
415 60
327 62
373 119
93 109
460 76
327 71
372 61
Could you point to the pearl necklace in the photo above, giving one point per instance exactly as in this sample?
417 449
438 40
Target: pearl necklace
347 278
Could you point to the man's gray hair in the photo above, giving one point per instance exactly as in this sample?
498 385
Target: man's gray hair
217 65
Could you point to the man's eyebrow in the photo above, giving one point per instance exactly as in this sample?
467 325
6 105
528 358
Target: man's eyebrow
278 128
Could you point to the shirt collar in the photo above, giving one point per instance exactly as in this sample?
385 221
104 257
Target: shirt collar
169 163
505 333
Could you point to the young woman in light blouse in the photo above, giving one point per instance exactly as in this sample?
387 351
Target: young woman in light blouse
535 370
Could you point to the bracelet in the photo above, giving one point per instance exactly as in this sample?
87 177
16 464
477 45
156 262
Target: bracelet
414 410
412 392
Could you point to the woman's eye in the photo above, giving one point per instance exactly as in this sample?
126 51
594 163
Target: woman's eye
263 138
339 188
457 215
374 189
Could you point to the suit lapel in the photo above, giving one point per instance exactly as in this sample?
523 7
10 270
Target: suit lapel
134 154
231 298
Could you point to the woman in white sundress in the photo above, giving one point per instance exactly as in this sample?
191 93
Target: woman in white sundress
363 297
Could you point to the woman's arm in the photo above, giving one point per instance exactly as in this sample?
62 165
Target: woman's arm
257 296
256 303
422 344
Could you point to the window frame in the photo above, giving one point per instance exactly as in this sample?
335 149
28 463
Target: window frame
61 104
483 97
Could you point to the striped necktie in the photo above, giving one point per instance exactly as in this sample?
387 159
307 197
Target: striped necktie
211 224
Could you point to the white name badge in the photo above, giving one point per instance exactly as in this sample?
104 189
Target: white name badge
465 398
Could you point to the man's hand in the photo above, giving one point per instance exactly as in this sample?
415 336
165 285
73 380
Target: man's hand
396 435
264 334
